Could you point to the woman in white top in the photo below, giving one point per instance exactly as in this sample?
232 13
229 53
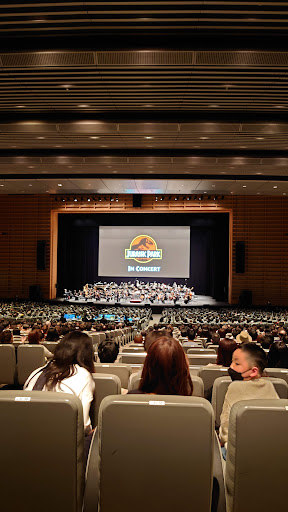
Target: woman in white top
69 372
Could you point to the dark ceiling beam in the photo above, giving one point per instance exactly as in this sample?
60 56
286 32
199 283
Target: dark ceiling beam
137 116
139 152
133 39
155 176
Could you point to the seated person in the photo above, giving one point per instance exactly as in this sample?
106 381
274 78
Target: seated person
278 355
52 334
108 351
34 338
69 372
225 352
248 363
150 337
6 337
166 369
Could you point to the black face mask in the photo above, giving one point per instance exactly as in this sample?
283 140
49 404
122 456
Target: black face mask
235 375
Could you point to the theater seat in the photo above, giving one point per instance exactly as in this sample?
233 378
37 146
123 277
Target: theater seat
198 386
257 454
41 446
7 364
105 385
122 370
29 358
132 358
220 387
132 350
199 351
209 374
50 345
160 460
202 359
281 373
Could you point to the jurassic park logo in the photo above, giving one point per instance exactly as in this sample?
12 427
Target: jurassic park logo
143 249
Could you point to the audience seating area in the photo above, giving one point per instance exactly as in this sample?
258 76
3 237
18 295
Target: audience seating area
129 436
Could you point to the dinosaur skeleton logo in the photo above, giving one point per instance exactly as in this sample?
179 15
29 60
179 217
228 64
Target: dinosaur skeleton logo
143 249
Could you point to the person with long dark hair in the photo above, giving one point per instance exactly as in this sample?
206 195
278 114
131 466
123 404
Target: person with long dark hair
69 371
166 369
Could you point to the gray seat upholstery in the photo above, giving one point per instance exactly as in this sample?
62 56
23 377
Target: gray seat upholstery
132 358
178 465
198 386
220 388
50 345
281 373
132 350
122 370
202 359
199 351
194 370
257 442
29 357
7 364
209 374
102 336
105 385
42 438
187 345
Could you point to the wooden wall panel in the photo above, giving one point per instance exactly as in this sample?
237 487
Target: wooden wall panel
262 222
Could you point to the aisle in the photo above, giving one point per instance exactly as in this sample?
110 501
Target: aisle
155 320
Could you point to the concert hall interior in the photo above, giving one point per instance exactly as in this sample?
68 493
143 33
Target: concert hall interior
143 189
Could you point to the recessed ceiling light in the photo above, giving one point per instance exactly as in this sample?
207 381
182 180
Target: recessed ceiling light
60 185
31 166
279 106
83 105
259 138
40 138
242 147
213 186
20 106
214 106
284 193
275 186
148 137
204 138
244 186
94 137
30 185
104 146
258 172
58 146
148 105
1 185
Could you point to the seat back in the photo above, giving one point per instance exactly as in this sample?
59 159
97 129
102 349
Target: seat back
173 480
132 350
187 345
7 364
105 385
123 371
29 358
102 336
35 428
281 373
199 351
208 375
198 386
256 451
220 388
202 359
138 358
50 345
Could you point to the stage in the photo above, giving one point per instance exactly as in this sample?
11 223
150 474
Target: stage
197 301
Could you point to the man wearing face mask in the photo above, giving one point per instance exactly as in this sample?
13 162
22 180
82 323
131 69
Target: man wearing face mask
246 370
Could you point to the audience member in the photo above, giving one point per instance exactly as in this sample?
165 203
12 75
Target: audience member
69 372
6 337
248 363
225 351
278 355
108 351
166 369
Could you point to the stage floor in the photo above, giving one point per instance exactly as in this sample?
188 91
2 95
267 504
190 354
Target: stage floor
199 300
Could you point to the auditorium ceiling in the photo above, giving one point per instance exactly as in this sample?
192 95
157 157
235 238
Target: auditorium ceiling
144 97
